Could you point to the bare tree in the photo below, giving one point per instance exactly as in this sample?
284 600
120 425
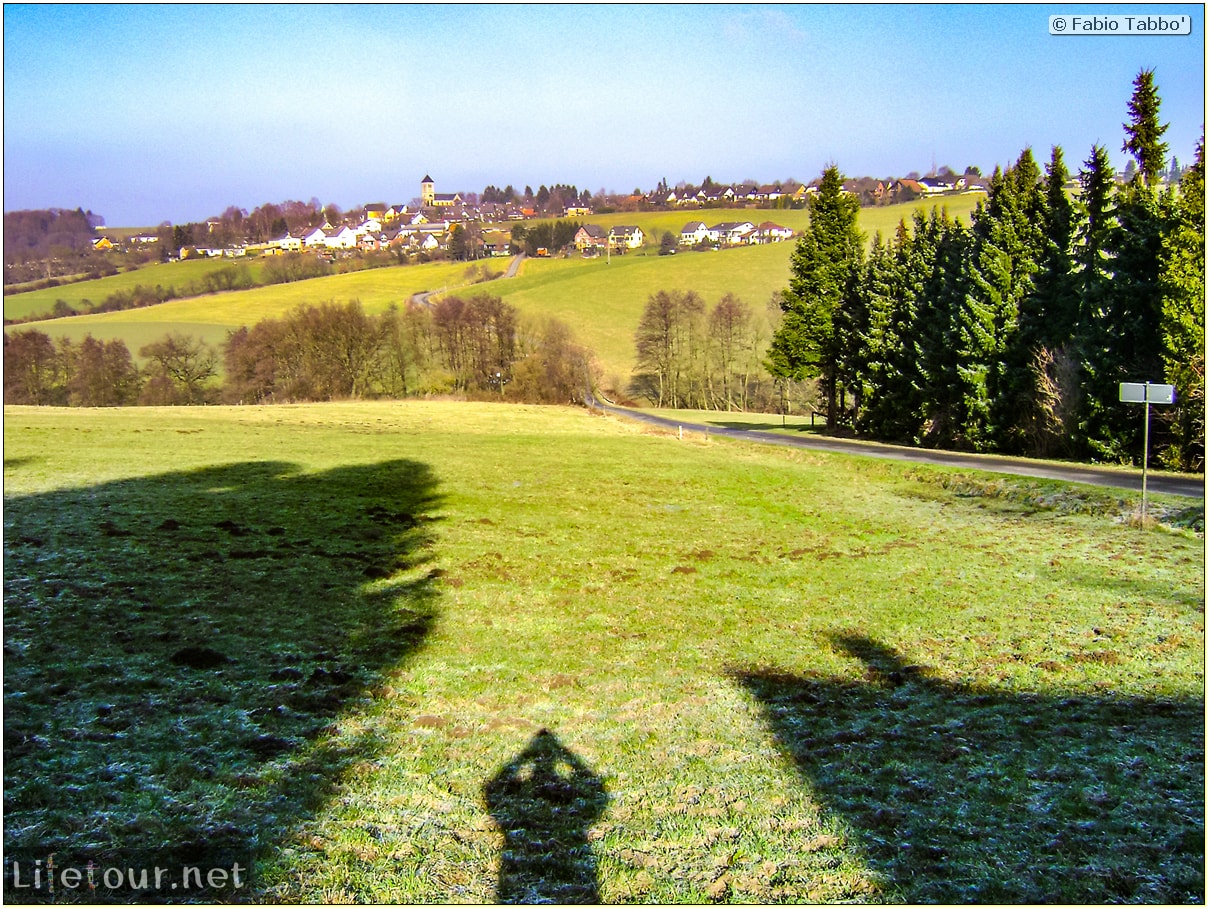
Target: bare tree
180 370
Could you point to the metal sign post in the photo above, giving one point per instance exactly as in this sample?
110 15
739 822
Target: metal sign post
1146 393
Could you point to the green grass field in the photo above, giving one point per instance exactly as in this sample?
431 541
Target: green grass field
602 300
166 274
322 643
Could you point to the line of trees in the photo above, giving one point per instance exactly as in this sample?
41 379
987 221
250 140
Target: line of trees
693 356
476 346
1014 333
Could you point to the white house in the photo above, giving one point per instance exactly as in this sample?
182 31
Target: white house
732 233
291 242
770 232
315 236
933 185
693 233
341 238
629 237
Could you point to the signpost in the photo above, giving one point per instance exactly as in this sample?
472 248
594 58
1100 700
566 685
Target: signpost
1146 393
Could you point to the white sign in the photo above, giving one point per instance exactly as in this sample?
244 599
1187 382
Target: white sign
1146 393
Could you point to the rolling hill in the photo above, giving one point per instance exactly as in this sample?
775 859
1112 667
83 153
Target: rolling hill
601 299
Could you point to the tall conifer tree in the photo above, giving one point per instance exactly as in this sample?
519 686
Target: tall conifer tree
1144 132
1039 352
1129 347
1182 278
806 344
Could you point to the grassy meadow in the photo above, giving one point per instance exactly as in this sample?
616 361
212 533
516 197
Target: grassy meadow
602 300
442 652
165 274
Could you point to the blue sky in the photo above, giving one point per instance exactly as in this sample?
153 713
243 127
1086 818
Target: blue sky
150 113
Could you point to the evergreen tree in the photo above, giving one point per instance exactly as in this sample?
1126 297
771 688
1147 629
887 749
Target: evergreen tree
806 345
1130 348
1093 277
1182 279
1040 349
952 337
1008 244
1049 316
1143 132
866 320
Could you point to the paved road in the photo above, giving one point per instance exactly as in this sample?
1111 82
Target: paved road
1072 473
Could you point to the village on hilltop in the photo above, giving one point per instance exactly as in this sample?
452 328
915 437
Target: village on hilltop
426 225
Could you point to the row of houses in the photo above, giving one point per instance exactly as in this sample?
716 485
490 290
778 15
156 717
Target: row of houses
732 195
592 237
732 233
773 193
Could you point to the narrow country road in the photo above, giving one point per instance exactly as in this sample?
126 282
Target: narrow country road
1070 473
422 298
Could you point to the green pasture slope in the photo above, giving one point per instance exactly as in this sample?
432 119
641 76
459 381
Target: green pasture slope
602 299
165 274
432 652
211 317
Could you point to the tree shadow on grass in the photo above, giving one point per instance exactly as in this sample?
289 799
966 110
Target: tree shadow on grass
545 800
184 656
962 794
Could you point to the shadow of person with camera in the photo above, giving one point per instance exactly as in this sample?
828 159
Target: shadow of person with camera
545 800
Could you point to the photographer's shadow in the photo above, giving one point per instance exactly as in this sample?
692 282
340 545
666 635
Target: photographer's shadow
545 800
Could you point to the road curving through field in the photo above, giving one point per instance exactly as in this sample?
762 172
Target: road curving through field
1070 473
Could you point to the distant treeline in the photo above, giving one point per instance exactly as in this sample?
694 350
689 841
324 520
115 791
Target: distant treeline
282 269
476 346
48 243
35 234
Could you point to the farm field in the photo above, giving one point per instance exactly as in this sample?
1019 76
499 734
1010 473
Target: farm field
602 300
442 652
166 274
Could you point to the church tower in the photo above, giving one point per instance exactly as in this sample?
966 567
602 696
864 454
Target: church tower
428 196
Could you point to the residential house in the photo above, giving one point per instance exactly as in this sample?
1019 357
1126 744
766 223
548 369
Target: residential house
372 241
771 232
906 183
577 211
770 192
315 236
624 236
732 233
933 185
341 237
693 233
102 243
746 192
290 242
590 236
376 211
718 195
